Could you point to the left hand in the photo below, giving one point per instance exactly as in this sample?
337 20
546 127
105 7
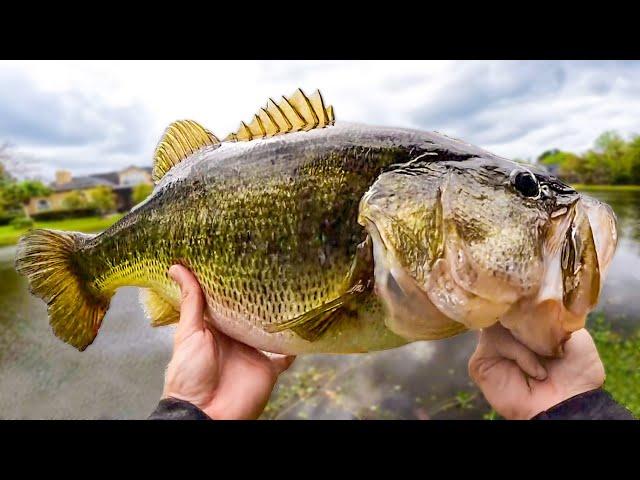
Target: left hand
519 385
226 379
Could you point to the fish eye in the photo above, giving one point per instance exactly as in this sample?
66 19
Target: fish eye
526 183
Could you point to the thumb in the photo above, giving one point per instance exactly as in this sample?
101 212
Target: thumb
280 362
191 302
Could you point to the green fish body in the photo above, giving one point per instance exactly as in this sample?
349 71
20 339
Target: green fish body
285 235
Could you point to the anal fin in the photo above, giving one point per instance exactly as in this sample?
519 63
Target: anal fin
158 310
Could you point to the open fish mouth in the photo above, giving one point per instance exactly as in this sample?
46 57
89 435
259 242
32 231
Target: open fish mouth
575 256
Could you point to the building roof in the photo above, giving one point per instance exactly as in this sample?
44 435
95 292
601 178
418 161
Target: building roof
110 179
114 177
79 183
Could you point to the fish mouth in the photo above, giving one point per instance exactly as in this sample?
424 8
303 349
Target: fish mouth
604 225
578 252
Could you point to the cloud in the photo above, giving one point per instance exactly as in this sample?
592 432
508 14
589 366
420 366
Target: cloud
90 116
523 108
71 129
475 86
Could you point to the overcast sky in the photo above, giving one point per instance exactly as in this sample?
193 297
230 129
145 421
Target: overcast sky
99 116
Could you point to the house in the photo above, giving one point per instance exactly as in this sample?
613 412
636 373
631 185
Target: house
121 182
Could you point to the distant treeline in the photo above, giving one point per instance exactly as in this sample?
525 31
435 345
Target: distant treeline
612 160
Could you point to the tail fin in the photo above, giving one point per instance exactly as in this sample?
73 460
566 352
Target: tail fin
46 258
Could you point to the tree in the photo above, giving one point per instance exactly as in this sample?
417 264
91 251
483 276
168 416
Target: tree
632 158
542 158
552 157
19 193
103 199
609 142
610 148
75 200
567 163
141 191
612 160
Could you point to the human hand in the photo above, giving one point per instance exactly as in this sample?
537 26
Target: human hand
518 384
226 379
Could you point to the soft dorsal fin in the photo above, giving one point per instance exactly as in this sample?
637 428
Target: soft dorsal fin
292 114
180 139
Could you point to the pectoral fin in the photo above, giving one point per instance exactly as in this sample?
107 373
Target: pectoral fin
313 324
158 310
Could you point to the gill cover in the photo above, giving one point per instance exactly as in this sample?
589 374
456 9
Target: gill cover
403 215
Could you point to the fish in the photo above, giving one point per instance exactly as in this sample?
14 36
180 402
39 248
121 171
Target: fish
309 235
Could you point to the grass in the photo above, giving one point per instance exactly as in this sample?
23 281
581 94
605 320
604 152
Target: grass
9 235
607 188
621 358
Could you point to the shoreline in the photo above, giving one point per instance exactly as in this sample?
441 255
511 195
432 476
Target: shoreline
9 236
605 188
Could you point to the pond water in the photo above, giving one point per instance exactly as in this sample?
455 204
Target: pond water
121 374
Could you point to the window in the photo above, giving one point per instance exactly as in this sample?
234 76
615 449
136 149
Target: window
43 204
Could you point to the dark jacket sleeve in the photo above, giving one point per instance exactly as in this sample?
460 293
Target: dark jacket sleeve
175 409
594 405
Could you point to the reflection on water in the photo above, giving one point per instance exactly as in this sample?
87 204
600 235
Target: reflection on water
121 374
619 297
41 377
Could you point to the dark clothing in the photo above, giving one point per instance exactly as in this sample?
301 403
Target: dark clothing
593 405
174 409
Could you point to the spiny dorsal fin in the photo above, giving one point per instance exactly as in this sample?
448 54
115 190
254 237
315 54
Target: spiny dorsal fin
180 139
293 114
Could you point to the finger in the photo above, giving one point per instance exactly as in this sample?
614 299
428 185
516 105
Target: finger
280 362
512 349
485 350
580 341
191 302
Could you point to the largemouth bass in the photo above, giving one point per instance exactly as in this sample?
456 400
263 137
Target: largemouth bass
311 236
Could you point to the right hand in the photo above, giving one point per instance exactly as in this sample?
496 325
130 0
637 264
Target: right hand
519 385
226 379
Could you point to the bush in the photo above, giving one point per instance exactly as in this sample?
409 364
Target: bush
141 191
7 217
21 222
75 200
103 199
64 214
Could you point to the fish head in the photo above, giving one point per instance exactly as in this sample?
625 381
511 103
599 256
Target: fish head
481 241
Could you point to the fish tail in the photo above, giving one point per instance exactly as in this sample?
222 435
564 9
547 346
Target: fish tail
49 260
